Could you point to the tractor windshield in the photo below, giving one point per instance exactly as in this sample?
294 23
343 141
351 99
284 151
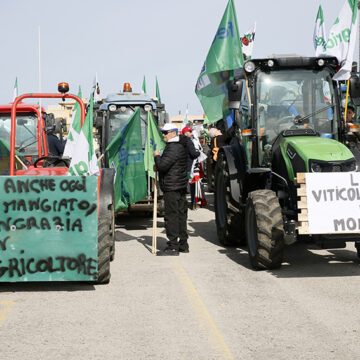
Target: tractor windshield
119 118
26 127
295 99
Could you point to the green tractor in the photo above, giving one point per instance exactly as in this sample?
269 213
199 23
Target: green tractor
288 121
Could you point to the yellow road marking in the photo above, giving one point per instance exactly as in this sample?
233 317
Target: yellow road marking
5 308
215 338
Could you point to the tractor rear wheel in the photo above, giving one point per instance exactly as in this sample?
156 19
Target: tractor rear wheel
264 229
229 221
104 243
112 233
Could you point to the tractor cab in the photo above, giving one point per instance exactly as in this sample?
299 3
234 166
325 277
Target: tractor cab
111 114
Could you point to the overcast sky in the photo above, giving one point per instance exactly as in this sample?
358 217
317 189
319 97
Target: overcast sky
123 40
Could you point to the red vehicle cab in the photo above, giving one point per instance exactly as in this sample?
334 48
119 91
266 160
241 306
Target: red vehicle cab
37 152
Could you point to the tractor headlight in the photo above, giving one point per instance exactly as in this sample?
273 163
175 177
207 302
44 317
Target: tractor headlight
350 166
249 66
112 107
321 62
270 63
315 167
147 107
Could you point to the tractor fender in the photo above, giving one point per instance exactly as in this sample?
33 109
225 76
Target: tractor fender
106 190
235 176
255 179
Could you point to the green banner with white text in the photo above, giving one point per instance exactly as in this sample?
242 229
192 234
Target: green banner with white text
48 228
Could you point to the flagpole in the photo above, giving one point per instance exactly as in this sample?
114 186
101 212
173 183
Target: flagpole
39 69
359 35
154 245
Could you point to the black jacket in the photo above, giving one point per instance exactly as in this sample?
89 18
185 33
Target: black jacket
172 167
224 139
192 153
56 147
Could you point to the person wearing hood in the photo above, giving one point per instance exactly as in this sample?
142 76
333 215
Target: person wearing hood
172 168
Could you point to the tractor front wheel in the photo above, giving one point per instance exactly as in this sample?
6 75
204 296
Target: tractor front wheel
264 230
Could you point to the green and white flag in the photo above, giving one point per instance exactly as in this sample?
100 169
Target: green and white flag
342 39
247 42
125 155
84 161
154 142
75 128
319 33
144 85
158 91
16 90
224 56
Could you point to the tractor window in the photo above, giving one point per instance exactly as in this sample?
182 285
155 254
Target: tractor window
26 128
119 118
292 99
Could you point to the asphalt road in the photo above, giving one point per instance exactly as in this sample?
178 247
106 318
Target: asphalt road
208 304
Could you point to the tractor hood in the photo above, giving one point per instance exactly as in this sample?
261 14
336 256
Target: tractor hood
313 147
315 154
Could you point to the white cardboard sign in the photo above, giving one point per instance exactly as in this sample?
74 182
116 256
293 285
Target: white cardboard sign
333 201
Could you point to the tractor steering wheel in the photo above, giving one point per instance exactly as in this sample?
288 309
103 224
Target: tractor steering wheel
53 161
284 120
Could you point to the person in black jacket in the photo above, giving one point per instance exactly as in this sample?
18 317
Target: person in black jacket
172 167
56 147
192 154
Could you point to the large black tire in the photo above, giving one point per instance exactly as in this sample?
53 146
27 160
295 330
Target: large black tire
210 173
104 242
229 221
264 230
112 233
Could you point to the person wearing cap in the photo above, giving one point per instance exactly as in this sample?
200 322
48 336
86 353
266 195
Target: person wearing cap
192 154
172 168
350 113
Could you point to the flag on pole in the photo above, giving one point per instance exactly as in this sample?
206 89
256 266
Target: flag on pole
186 118
342 39
319 33
16 90
125 155
96 89
247 42
154 142
144 85
84 161
158 91
75 128
224 56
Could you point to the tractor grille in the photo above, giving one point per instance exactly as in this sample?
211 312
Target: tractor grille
332 166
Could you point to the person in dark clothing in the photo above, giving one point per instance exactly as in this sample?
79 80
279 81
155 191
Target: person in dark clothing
172 167
218 139
56 147
192 154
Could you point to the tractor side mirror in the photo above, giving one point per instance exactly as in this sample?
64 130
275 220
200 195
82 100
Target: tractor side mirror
234 93
49 120
160 106
355 90
163 118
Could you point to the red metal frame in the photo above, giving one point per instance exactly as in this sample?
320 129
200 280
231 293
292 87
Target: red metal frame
31 108
13 119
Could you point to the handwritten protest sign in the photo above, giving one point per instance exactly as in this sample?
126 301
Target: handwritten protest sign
333 201
48 228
